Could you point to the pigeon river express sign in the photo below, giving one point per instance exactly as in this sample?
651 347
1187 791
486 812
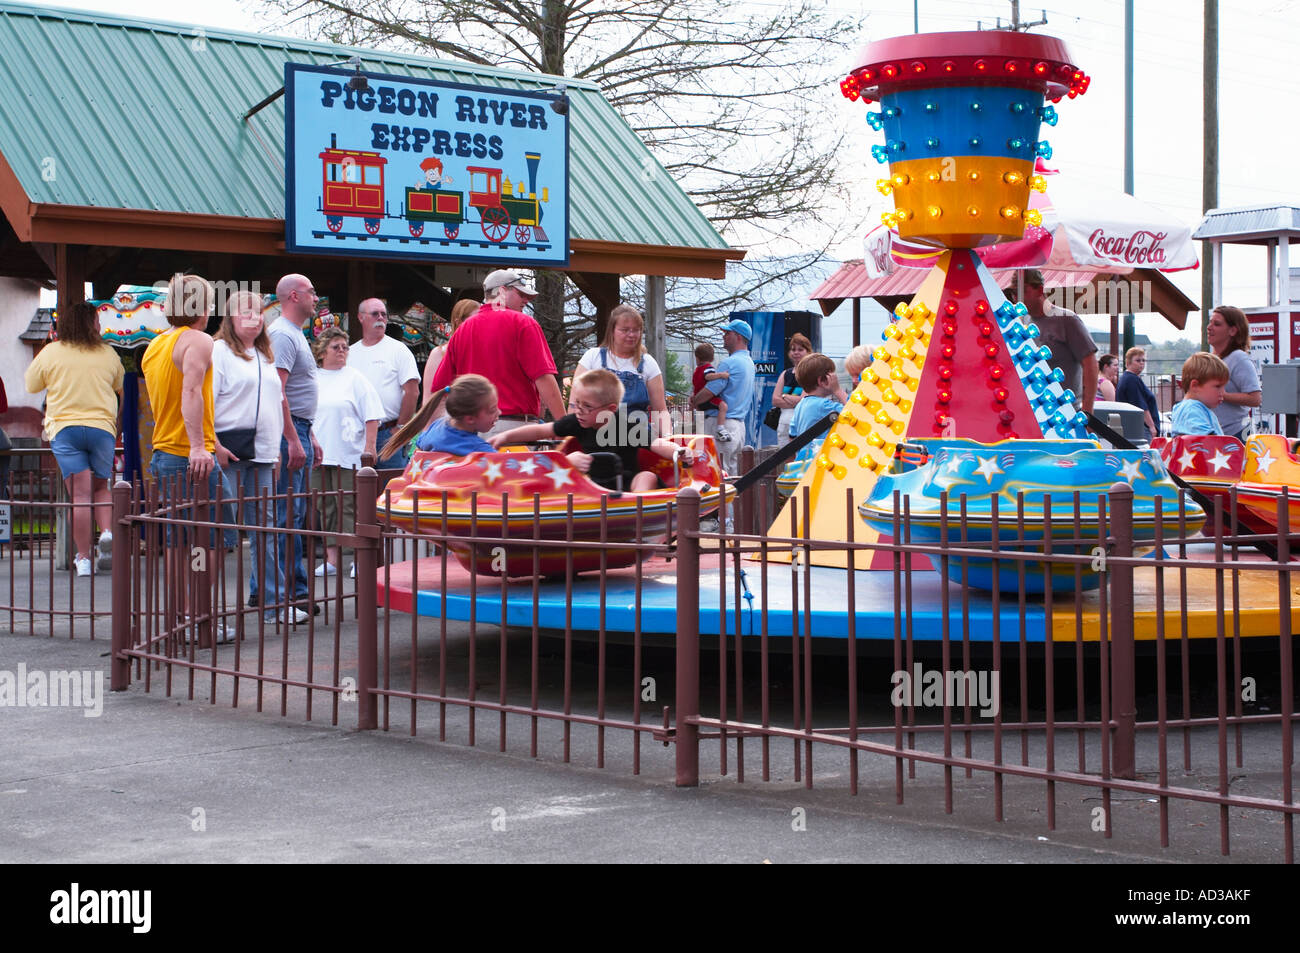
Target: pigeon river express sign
415 169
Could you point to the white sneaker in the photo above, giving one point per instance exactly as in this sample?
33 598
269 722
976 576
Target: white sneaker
220 633
105 547
293 615
326 569
82 564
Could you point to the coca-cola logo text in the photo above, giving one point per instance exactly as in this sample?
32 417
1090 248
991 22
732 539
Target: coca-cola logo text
1141 248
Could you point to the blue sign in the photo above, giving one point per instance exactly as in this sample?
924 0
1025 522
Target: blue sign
767 350
414 169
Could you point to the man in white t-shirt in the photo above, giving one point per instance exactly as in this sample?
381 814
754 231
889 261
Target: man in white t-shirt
390 368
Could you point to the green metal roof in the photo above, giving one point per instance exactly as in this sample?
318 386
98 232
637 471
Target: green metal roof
117 112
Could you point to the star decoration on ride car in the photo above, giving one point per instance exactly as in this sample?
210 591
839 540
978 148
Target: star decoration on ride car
561 477
1187 460
1264 461
491 471
1220 460
1130 470
988 467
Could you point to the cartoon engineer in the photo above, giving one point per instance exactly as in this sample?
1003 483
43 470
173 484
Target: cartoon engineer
432 167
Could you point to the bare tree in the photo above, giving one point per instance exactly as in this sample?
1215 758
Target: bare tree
725 94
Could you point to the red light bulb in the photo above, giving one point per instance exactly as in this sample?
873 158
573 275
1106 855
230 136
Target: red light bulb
950 307
991 350
1006 417
986 329
948 66
1010 66
980 66
981 307
945 372
1040 68
948 350
996 371
889 71
943 396
918 66
949 328
1001 395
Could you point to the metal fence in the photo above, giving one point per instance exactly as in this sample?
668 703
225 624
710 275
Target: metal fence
44 595
1168 689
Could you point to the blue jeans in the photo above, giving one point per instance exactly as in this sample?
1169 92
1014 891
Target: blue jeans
295 570
168 469
254 479
399 458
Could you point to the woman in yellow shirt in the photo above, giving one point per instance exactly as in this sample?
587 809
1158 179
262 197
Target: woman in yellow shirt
82 377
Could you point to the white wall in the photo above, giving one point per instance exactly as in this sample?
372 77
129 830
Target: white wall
19 300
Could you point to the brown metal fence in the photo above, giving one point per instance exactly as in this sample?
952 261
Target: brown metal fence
42 594
1168 686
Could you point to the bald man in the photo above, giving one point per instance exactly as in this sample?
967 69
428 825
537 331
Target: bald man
390 367
297 368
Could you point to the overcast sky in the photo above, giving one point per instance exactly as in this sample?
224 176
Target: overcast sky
1259 93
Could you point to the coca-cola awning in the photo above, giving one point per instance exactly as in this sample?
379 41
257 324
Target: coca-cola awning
1083 229
1159 295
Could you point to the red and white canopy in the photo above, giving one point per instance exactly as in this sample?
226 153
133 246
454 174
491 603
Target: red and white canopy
1083 230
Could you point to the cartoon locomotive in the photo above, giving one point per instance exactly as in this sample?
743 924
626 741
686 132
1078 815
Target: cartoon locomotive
352 185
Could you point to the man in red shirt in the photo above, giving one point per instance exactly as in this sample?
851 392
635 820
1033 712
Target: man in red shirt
508 348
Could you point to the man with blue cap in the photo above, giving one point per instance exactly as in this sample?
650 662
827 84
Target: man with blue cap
737 389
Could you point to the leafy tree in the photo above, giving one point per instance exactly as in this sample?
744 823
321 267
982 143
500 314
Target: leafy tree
676 380
725 94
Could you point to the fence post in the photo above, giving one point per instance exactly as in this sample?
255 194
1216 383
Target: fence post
367 556
746 501
119 678
688 638
1122 682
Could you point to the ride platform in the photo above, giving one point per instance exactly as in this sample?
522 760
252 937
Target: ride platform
412 587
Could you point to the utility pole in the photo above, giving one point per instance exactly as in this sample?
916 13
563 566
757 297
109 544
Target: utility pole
1128 137
1210 135
1015 24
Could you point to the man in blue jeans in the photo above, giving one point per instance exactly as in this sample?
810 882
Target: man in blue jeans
297 368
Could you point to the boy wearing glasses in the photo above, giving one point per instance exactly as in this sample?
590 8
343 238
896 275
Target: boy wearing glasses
593 420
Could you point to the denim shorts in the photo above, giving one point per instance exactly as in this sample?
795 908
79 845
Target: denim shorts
84 448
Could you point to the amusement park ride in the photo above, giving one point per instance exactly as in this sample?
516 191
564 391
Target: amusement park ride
959 407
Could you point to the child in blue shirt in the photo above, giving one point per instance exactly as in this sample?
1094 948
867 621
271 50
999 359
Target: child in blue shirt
816 375
1204 377
471 409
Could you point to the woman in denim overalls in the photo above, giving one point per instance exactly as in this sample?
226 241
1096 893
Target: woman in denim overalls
623 353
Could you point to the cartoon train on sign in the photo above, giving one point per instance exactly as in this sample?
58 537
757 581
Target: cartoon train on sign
352 186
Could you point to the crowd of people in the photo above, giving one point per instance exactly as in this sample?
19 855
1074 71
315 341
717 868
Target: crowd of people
259 412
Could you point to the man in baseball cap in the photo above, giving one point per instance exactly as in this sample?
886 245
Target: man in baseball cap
507 347
737 389
507 278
